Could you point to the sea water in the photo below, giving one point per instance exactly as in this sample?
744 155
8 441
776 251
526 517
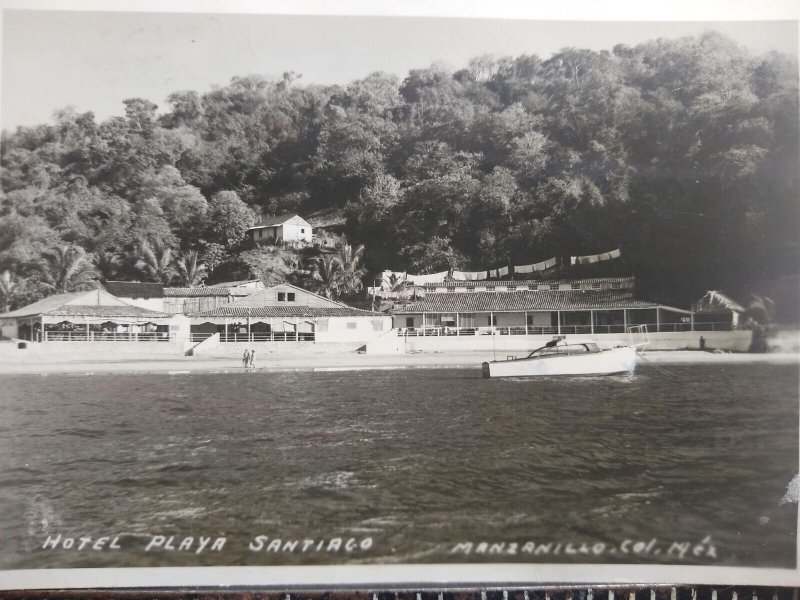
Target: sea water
681 465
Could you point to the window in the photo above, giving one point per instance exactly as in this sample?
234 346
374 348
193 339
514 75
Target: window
512 288
430 288
281 297
290 297
409 321
322 325
377 324
576 286
492 320
352 325
260 233
553 286
596 285
533 287
616 285
302 230
489 288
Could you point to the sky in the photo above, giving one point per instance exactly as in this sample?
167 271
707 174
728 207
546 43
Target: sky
94 60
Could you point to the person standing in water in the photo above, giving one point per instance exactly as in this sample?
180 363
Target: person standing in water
252 359
246 358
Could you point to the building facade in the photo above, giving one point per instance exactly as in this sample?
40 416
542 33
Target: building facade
288 313
282 229
90 316
540 307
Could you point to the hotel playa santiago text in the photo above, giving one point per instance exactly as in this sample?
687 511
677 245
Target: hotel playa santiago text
265 544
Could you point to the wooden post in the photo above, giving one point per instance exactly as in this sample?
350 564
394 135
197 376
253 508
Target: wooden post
658 319
591 321
625 319
691 321
87 331
558 319
526 322
458 326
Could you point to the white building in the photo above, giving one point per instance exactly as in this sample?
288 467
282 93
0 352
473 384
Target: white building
281 229
91 316
288 313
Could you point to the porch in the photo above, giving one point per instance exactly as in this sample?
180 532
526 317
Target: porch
559 322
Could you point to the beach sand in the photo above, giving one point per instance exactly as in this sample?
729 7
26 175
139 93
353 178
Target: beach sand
27 362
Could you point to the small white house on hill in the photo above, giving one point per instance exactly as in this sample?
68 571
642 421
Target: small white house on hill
281 229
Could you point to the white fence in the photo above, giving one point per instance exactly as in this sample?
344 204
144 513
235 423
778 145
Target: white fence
554 330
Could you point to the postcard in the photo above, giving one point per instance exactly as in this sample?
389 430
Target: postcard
398 294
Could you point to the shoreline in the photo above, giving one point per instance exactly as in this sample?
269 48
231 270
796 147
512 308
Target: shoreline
338 362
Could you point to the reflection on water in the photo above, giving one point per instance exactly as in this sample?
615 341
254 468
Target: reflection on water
420 462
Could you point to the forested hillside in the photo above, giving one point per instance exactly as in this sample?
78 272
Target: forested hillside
684 153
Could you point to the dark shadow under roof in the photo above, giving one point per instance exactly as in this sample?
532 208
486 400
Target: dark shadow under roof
134 289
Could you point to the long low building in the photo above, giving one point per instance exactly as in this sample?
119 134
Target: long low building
288 313
541 307
93 315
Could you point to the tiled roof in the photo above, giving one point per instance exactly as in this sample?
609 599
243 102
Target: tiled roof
44 305
231 310
233 283
624 281
525 300
204 292
135 289
74 310
266 297
279 220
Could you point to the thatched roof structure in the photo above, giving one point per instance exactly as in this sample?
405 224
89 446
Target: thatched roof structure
715 302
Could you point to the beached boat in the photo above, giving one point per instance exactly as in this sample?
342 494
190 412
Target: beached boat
564 356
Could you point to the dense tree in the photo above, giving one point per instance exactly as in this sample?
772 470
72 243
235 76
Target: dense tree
67 269
228 219
682 151
188 271
155 262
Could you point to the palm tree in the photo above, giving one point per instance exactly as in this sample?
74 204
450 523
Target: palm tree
190 273
9 286
107 263
351 273
156 262
398 286
760 317
325 271
68 269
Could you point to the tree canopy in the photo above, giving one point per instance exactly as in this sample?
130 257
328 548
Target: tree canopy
683 152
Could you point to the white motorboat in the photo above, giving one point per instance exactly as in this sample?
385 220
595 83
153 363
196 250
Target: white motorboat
564 356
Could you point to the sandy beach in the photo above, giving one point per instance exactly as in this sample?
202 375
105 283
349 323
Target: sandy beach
31 362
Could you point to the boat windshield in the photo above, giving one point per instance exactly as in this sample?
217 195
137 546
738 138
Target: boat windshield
565 350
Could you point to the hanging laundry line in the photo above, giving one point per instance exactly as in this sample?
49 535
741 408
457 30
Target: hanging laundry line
595 258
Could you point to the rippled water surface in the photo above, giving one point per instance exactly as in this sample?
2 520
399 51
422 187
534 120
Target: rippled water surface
411 465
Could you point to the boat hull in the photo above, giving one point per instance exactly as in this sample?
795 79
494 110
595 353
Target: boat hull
607 362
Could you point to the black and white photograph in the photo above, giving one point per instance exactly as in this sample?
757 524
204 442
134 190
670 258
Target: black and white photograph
405 297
